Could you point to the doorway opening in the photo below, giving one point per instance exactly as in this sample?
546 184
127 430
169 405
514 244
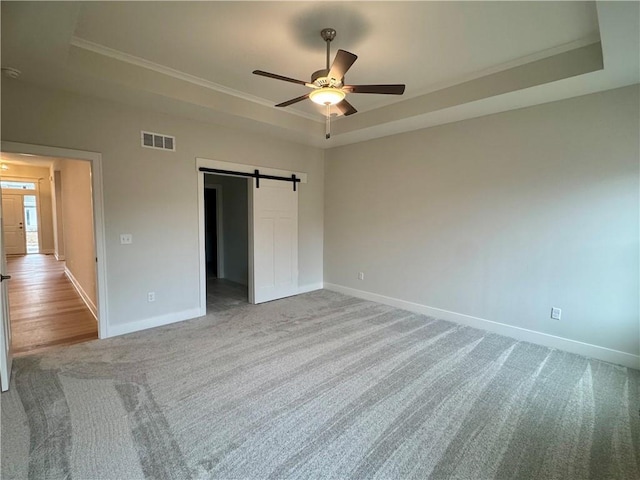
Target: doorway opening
269 213
226 241
51 254
18 151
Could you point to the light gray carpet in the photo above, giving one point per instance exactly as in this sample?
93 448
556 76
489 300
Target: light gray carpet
319 386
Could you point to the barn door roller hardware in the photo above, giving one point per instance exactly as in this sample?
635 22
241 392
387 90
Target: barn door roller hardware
256 174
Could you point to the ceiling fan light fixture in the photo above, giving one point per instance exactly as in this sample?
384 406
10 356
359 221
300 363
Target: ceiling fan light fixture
327 96
328 83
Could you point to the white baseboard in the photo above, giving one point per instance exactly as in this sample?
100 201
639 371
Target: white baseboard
146 323
561 343
85 298
60 258
47 251
312 287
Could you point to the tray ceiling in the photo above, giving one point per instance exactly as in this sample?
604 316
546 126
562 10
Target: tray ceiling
458 59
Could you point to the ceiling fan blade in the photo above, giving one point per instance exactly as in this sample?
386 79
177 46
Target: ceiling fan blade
396 89
346 108
293 100
341 64
278 77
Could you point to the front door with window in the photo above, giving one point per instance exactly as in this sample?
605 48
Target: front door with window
14 231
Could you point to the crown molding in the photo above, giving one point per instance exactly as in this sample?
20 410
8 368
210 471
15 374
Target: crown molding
517 62
171 72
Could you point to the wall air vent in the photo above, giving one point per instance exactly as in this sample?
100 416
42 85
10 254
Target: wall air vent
158 141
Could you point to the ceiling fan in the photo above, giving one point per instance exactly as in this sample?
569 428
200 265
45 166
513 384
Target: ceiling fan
328 87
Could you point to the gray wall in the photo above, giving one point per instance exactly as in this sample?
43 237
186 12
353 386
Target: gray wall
500 218
235 226
154 194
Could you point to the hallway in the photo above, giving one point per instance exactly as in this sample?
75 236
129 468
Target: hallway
45 308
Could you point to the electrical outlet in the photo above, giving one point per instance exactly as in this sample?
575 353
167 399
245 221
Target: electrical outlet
361 276
151 297
556 313
126 239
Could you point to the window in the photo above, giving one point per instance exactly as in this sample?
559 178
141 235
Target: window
31 223
16 185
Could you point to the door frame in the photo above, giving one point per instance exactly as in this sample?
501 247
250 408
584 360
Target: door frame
95 161
237 167
6 354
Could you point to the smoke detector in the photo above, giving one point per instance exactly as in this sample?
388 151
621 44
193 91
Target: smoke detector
11 72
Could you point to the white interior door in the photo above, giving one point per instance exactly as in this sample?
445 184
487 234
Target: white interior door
5 326
14 236
273 245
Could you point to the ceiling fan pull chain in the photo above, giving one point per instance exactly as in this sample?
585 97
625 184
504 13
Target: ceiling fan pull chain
327 129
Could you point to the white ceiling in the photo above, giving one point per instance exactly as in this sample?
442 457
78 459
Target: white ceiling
458 59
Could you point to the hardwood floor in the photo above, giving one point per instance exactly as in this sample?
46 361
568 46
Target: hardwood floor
45 309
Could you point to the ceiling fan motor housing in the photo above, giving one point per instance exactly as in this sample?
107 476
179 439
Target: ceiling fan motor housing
321 79
328 34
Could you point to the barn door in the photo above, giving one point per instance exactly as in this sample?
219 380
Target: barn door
273 241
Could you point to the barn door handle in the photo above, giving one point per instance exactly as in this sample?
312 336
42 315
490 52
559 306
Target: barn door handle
4 277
